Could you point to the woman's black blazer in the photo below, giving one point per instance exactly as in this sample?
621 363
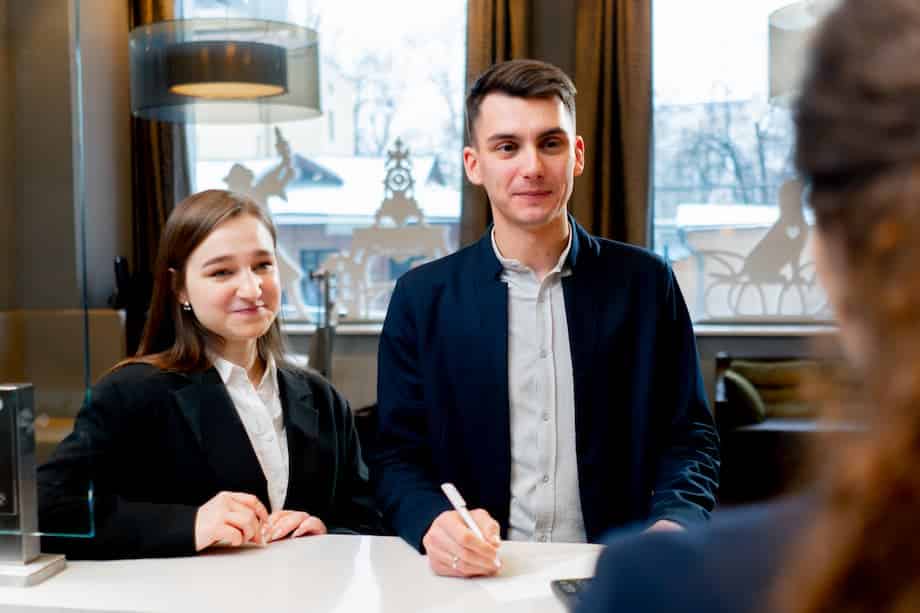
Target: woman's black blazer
156 445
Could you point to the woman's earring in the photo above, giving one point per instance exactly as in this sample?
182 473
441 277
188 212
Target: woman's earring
187 307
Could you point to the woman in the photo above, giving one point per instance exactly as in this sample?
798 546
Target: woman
852 545
207 436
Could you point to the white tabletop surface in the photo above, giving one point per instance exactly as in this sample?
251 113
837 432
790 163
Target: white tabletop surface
325 573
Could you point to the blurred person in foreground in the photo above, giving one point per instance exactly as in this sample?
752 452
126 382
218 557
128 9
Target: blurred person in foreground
850 545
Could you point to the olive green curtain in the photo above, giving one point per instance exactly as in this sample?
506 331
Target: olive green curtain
159 179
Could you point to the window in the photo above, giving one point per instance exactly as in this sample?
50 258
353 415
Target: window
310 259
727 211
377 178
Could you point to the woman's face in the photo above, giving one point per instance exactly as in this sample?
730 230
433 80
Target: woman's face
232 283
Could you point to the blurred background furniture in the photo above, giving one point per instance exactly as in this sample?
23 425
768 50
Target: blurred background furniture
767 424
45 347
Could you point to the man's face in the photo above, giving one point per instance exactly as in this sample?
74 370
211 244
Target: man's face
526 155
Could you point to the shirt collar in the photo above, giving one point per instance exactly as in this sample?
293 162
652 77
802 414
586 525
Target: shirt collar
517 266
229 371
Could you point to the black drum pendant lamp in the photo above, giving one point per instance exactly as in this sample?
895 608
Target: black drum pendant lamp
224 71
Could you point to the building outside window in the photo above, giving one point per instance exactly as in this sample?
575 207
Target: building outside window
392 98
727 203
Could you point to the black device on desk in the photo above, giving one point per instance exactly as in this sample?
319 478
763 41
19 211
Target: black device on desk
570 591
9 460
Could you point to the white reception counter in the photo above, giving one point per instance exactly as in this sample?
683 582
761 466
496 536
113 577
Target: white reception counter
342 574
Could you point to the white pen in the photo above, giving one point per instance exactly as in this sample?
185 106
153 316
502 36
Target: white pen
460 505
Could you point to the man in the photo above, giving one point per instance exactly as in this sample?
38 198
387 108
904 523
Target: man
552 376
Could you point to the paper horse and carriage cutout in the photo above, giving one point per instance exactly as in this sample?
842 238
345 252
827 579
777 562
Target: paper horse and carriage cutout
774 281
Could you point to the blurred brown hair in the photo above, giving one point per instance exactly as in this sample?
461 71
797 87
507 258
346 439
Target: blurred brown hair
173 338
858 145
521 79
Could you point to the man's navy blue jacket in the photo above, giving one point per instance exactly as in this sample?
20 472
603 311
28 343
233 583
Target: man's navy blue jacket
646 444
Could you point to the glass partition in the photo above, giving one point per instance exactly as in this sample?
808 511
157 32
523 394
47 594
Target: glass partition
50 320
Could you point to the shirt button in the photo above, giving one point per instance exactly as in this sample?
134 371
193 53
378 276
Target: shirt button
546 417
543 353
545 478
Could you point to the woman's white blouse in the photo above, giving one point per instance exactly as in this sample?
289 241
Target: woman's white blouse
259 408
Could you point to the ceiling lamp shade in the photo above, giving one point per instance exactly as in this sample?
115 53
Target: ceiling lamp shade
224 71
791 29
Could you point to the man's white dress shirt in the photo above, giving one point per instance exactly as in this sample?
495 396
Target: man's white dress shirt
545 502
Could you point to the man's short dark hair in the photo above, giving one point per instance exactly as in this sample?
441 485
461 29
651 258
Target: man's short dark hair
521 79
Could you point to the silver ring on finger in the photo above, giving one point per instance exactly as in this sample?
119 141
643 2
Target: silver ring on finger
454 560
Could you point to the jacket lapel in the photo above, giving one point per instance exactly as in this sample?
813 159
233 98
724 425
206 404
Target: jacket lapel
301 421
216 425
582 313
494 427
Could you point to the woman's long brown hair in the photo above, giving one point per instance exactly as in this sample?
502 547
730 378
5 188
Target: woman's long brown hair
173 338
858 131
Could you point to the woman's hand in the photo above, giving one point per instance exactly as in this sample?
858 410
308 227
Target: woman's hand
294 524
231 518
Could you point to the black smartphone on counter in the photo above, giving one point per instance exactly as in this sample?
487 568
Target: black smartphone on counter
570 591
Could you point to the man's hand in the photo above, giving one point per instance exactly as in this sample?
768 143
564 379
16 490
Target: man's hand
454 551
231 518
665 525
294 524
